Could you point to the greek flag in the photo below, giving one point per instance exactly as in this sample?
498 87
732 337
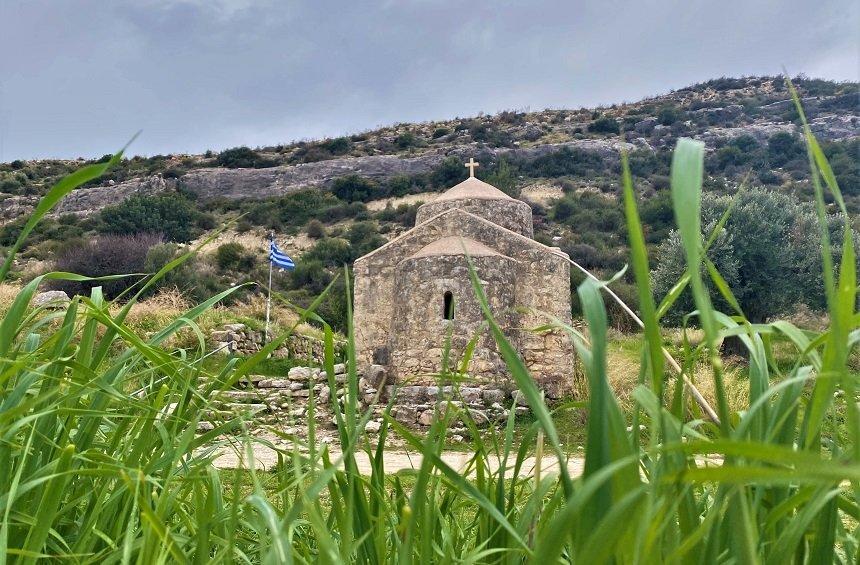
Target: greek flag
278 258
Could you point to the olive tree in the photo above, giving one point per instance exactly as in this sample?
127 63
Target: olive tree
769 254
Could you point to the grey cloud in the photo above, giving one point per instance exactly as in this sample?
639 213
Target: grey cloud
79 78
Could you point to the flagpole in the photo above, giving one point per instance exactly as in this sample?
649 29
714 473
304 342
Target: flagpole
269 298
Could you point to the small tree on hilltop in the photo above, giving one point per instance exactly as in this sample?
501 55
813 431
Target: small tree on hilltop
769 254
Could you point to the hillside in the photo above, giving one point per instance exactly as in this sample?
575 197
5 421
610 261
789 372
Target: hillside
332 200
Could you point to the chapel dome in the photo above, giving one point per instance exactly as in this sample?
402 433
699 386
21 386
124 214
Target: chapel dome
472 188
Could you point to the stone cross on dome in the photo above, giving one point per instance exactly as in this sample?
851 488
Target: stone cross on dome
471 166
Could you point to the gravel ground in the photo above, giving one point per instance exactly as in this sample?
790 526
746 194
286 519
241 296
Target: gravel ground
266 458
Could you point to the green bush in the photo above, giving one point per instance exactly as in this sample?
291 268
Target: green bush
406 140
353 188
315 229
783 147
450 172
504 178
197 279
243 158
668 115
364 237
233 256
310 275
331 252
171 215
604 124
337 146
768 254
566 161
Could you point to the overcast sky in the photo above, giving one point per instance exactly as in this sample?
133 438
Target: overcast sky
80 78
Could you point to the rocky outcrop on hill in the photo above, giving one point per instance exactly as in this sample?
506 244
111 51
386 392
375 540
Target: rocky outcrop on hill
85 201
213 183
233 184
713 112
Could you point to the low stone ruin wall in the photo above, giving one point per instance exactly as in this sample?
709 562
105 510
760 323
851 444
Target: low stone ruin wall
283 401
239 339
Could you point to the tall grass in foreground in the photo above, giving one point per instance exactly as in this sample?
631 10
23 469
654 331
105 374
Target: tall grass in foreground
100 461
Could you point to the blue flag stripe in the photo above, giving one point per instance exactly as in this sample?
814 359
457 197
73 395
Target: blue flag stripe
279 258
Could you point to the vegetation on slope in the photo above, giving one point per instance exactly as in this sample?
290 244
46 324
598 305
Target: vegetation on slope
744 121
103 463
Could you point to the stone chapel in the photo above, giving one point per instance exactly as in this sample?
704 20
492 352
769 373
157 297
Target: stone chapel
415 290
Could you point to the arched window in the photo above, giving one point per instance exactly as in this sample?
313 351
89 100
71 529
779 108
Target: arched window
448 306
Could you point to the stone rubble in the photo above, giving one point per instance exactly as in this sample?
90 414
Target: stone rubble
283 401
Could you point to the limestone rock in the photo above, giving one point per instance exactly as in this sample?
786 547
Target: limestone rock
299 373
376 375
493 395
51 298
426 418
372 427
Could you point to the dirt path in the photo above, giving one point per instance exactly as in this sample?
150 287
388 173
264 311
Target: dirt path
266 458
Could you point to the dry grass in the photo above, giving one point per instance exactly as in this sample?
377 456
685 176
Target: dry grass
542 193
8 292
377 205
154 313
623 358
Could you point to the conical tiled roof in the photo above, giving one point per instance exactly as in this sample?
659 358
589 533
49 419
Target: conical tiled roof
473 188
455 245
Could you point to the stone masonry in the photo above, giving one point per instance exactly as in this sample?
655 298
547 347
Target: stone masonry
414 294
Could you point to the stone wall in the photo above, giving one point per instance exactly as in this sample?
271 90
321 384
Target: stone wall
514 215
239 339
283 402
543 289
420 333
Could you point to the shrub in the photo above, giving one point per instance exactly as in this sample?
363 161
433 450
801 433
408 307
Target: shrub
604 124
399 185
658 217
645 163
243 158
406 140
196 279
354 188
450 172
844 157
440 132
331 252
311 154
504 178
783 147
233 256
102 256
364 238
668 115
310 275
566 161
10 185
315 229
172 215
768 254
337 146
589 213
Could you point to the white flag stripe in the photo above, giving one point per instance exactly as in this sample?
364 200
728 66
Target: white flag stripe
279 258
